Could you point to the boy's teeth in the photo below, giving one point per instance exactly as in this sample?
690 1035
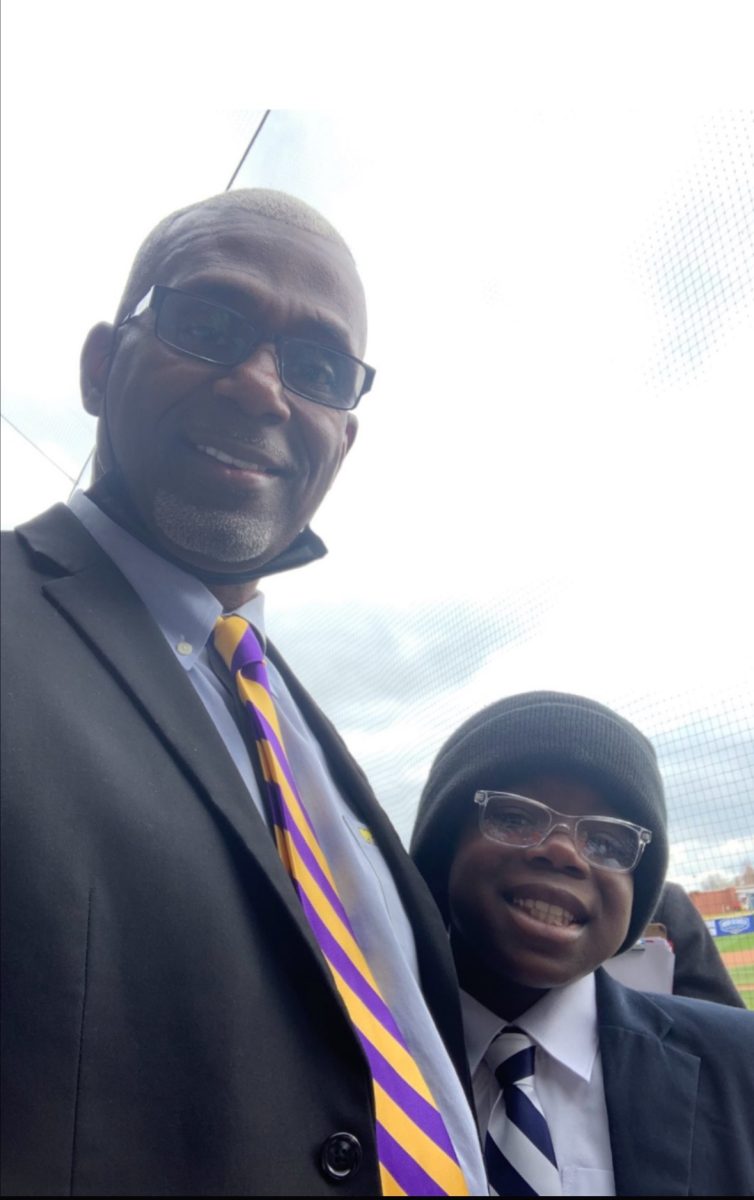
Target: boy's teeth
550 914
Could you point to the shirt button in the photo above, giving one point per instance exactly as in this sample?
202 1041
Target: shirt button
340 1156
184 648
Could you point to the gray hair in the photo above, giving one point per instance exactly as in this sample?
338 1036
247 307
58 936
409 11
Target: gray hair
262 202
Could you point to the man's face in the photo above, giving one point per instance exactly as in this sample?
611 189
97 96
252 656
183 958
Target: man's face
541 916
170 416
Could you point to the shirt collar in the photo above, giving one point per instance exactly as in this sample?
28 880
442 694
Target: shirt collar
480 1026
563 1023
183 608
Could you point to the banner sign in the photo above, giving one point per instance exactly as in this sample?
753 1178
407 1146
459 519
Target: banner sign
724 926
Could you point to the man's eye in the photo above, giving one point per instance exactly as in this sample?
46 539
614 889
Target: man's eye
315 368
203 331
209 334
319 373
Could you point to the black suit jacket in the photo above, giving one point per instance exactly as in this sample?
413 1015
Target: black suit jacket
169 1024
679 1088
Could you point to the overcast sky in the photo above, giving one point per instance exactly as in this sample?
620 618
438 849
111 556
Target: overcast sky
551 486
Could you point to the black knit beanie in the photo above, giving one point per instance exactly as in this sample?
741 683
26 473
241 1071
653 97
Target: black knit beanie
535 732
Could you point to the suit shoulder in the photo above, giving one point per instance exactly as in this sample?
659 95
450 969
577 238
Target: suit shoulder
10 543
654 1013
16 561
713 1020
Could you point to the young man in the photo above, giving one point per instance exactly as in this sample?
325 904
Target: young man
542 834
215 949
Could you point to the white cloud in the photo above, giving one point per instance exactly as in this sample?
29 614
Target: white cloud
694 860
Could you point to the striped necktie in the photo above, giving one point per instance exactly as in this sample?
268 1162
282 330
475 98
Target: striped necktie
415 1152
518 1149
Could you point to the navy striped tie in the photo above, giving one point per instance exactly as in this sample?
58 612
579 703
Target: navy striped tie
518 1149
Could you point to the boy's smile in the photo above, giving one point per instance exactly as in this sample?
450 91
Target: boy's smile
536 917
555 908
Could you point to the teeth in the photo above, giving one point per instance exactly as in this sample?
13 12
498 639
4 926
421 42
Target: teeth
222 457
550 914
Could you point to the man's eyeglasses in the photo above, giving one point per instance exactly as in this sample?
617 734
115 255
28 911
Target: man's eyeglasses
602 841
216 334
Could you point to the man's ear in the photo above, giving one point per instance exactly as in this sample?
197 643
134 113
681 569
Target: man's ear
352 428
96 356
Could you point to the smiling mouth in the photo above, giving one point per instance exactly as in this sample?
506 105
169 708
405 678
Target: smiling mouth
241 464
547 914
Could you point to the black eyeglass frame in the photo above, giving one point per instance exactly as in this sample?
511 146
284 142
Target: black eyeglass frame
155 298
564 821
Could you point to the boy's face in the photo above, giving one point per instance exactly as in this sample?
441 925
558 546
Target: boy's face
500 934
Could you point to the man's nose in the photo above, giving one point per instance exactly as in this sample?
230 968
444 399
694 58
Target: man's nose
255 386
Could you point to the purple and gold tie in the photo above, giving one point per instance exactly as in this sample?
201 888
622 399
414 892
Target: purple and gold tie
415 1152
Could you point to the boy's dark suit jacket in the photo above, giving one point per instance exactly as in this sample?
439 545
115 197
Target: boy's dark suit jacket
679 1086
169 1026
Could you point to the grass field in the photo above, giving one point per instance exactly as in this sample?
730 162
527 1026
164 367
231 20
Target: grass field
736 941
737 953
743 977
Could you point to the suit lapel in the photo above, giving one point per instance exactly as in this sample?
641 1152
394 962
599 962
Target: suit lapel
650 1091
106 613
85 585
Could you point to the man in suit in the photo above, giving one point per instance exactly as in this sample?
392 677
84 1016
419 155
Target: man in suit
171 1025
541 832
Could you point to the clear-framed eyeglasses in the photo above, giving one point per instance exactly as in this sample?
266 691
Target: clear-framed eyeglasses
216 334
604 842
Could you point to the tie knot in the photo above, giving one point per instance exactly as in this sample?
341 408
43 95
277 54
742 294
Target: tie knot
511 1056
237 643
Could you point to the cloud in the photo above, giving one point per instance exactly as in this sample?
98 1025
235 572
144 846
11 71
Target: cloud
397 681
372 664
693 861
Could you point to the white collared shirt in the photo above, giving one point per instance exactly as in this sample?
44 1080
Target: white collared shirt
568 1080
186 612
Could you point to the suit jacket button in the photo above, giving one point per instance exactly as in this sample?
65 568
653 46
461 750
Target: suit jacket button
340 1157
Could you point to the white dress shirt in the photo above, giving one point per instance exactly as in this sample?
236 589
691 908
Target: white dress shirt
186 612
567 1078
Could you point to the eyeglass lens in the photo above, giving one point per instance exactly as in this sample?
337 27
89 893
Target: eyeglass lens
219 335
600 842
